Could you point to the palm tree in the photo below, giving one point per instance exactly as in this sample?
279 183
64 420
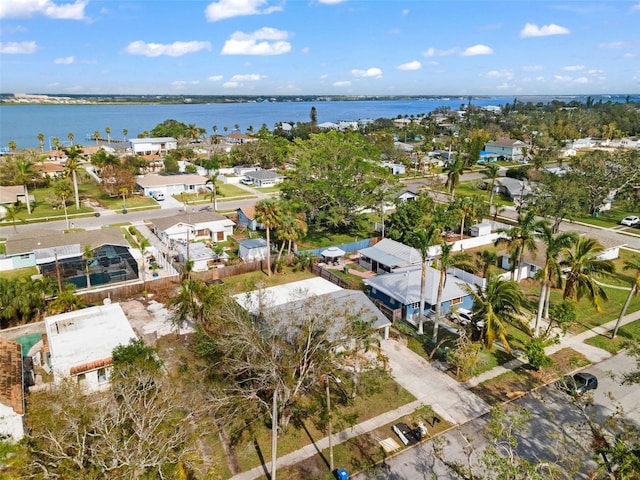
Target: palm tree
291 228
214 190
87 254
552 270
497 304
96 136
492 172
56 143
70 136
423 240
629 265
269 214
125 132
72 165
520 238
467 208
11 214
108 132
41 141
454 171
444 263
583 265
12 145
24 173
486 261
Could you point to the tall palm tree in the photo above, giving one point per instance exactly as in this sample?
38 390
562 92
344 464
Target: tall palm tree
498 303
107 130
519 239
584 266
269 214
73 157
454 170
492 172
214 190
96 136
629 265
445 261
87 255
12 145
552 270
70 136
41 141
24 173
423 240
467 207
291 228
125 132
11 214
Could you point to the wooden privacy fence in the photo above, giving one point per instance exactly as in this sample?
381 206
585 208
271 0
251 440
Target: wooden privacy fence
128 290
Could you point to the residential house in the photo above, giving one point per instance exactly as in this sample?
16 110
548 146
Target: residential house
510 149
50 169
81 343
247 217
149 146
532 262
61 255
171 184
406 196
401 122
280 301
12 405
516 190
252 249
192 227
388 255
10 194
263 178
237 138
242 170
400 291
395 168
328 126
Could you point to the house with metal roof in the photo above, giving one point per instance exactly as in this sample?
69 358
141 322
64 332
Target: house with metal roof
401 291
389 255
280 301
252 249
263 178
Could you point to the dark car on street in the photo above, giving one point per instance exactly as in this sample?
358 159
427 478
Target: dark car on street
579 383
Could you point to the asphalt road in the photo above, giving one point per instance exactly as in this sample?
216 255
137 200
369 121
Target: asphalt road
556 430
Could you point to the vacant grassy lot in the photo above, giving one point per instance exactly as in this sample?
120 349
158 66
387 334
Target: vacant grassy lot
626 333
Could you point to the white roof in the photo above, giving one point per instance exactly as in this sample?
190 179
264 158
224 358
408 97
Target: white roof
86 336
282 294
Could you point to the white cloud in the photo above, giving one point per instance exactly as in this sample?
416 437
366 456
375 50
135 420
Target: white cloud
410 66
330 2
612 45
215 78
504 74
184 83
236 8
251 77
343 83
64 60
636 7
532 68
432 52
175 49
570 80
573 68
266 41
477 50
405 12
370 72
17 48
532 30
231 84
46 8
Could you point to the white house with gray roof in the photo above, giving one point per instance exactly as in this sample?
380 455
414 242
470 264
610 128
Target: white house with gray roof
150 146
193 226
173 184
388 255
263 178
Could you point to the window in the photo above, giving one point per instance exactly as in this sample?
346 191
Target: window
415 305
82 378
373 291
102 375
456 301
25 256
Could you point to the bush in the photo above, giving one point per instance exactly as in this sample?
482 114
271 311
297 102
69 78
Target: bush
535 354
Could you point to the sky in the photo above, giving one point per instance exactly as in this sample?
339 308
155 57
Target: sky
320 47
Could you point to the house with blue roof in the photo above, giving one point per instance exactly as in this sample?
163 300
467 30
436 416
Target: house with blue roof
401 291
252 249
388 255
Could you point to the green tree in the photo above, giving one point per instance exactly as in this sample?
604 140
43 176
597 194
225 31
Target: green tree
87 256
519 239
444 262
423 240
500 302
269 215
73 154
454 170
582 269
551 274
633 264
41 141
492 173
25 173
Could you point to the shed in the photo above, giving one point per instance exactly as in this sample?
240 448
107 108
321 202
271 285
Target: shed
481 229
252 249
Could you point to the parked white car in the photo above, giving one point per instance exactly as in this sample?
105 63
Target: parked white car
630 221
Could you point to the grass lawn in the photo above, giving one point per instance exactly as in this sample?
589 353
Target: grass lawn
324 239
19 273
229 190
364 451
523 379
387 396
271 189
91 190
470 189
609 218
41 208
626 333
249 281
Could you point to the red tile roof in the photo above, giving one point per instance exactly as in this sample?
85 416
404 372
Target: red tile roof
11 390
87 367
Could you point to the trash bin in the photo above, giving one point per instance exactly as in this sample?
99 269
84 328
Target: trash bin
342 474
97 214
